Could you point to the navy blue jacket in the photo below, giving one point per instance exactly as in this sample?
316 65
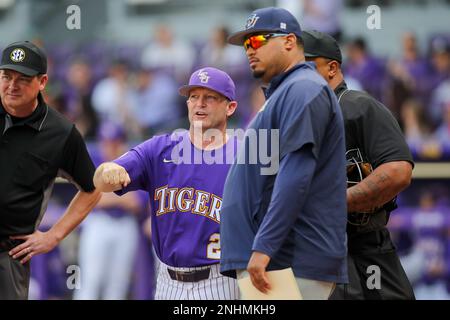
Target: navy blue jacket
292 208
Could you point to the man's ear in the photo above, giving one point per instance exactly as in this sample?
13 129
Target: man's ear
333 68
231 108
43 82
291 41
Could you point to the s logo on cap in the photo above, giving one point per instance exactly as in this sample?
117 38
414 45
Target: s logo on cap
17 55
251 21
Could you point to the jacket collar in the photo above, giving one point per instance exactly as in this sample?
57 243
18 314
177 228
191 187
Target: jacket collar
277 80
340 88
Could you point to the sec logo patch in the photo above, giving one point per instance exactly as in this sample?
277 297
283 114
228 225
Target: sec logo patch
17 55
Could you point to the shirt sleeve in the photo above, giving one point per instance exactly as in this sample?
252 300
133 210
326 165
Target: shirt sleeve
136 162
304 122
383 139
291 187
77 164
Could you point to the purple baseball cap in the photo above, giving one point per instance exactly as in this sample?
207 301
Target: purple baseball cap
267 20
213 79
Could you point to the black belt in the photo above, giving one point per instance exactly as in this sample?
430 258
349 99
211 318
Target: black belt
7 244
189 276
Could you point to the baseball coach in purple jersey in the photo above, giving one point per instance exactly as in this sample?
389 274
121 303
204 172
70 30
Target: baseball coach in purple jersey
185 192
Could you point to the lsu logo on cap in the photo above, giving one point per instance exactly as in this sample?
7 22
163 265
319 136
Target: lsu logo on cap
203 76
17 55
251 21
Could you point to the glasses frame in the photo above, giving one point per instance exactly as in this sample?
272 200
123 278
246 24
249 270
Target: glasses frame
266 37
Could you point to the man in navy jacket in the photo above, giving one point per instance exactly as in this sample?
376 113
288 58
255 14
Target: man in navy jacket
292 212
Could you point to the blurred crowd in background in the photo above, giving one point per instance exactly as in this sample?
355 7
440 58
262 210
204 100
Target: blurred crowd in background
136 87
119 95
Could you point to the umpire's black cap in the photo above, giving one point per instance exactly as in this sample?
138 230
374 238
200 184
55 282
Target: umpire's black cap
319 44
24 57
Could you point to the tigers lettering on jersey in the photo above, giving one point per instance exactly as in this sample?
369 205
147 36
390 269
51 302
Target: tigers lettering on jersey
186 199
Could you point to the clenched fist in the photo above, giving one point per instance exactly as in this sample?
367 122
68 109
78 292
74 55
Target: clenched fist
110 176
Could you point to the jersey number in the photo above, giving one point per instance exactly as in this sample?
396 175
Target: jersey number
213 249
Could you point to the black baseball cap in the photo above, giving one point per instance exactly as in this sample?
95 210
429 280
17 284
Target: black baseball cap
319 44
271 19
24 57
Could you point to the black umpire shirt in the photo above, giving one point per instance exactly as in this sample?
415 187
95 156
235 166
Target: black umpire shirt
33 152
372 129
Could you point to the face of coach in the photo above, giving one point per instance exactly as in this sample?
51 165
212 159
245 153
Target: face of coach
280 54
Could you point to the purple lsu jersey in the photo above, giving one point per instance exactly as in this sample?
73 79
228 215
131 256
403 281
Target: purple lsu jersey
186 197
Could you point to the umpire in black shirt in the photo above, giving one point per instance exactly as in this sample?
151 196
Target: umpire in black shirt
37 144
379 166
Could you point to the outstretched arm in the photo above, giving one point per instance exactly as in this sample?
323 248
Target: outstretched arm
110 176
